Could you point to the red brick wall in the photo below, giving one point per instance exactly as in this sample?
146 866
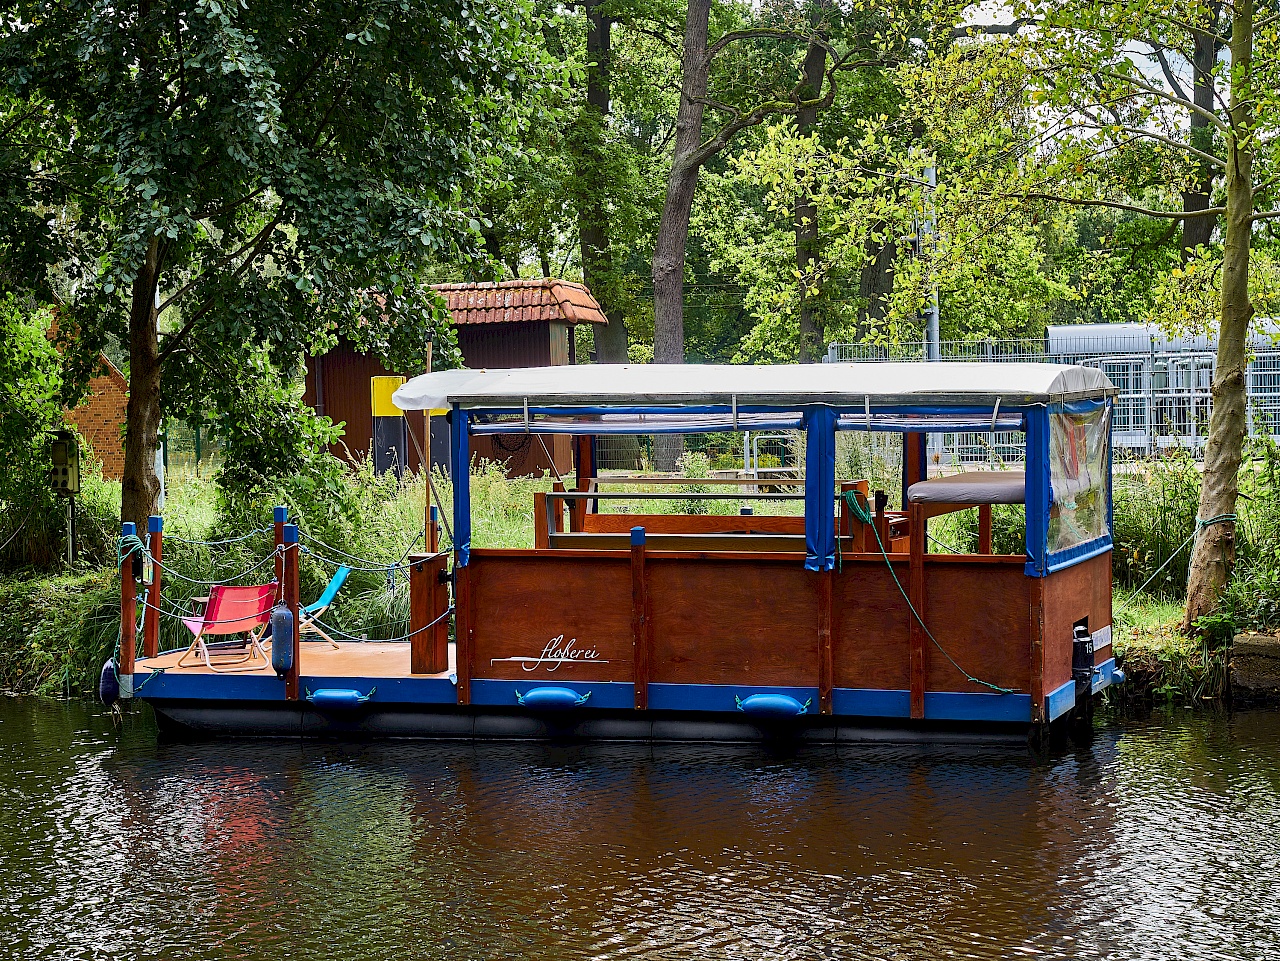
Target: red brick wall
100 419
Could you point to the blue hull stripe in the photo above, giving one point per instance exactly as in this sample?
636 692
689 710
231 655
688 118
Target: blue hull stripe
1060 701
717 698
241 687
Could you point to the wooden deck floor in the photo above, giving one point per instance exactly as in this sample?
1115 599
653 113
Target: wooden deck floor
319 659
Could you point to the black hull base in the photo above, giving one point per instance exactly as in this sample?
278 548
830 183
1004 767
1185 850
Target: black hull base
229 719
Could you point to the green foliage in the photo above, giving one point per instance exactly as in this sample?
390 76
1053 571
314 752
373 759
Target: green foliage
694 464
30 524
1154 505
56 633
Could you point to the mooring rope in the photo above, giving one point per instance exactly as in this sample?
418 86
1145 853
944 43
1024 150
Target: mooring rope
1200 526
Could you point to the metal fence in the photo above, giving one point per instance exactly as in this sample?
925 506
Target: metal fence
1165 383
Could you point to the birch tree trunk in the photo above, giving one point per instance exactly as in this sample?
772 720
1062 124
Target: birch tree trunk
1213 553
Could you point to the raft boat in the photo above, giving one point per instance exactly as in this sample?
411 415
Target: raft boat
821 625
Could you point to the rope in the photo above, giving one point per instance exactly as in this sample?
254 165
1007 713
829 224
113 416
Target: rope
865 517
382 569
386 640
1200 526
380 566
228 540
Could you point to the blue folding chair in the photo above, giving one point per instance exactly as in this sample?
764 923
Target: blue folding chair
309 616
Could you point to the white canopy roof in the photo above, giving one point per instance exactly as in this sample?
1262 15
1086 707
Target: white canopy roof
841 385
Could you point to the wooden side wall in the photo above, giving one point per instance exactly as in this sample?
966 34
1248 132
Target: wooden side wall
522 602
749 619
1083 590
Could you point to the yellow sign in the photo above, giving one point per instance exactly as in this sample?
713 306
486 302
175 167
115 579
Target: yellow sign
380 390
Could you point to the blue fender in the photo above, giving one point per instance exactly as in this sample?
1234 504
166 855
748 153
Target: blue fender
552 698
772 705
338 699
109 683
282 640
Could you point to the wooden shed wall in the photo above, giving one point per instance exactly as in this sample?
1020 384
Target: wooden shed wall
344 389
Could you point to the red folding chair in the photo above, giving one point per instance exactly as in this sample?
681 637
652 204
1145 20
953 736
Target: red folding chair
231 610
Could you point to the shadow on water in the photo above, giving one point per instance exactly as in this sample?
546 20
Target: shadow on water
1158 839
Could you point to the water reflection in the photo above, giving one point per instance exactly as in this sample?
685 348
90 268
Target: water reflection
1158 840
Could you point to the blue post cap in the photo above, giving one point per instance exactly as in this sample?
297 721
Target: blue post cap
280 514
155 524
128 529
435 514
291 533
637 536
746 511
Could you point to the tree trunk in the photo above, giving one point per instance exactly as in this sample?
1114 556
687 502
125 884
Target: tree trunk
875 284
808 268
593 217
673 230
140 488
1213 553
1199 230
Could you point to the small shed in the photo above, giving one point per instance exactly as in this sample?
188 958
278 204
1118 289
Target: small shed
513 323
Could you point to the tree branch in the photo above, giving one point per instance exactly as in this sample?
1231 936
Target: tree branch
220 262
1265 215
1168 71
1171 98
1117 205
754 33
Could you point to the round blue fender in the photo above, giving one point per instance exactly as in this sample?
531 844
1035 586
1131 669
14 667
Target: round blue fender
108 683
282 640
1117 676
552 698
338 699
772 705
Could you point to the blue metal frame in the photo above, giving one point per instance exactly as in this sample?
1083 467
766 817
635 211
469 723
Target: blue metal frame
820 489
1060 560
1037 492
460 467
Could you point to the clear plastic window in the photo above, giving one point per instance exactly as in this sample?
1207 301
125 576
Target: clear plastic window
1078 464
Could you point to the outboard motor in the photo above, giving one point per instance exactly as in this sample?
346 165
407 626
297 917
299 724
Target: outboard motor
1082 673
1082 659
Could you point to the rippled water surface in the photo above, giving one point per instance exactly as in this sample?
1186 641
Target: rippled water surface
1160 840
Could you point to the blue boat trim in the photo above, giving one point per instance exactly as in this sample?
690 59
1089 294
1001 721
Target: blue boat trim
952 706
869 702
267 687
604 694
938 705
1060 701
1105 675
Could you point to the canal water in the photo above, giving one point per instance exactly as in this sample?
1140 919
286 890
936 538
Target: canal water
1159 840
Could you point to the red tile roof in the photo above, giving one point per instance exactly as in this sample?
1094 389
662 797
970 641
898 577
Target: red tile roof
515 300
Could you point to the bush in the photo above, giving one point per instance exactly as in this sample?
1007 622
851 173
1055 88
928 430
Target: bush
1155 504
